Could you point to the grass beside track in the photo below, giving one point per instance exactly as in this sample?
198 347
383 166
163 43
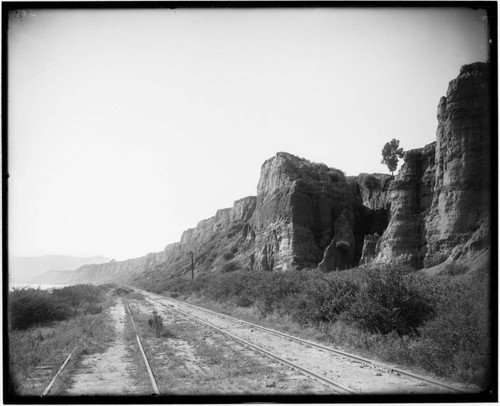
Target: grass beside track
37 352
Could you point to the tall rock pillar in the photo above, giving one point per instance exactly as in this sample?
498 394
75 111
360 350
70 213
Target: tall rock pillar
457 225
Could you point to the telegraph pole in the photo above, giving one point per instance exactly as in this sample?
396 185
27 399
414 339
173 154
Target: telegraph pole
192 266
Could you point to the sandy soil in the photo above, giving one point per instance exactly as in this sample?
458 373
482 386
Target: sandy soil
350 373
110 372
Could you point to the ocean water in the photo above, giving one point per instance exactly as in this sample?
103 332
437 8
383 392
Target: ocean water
43 286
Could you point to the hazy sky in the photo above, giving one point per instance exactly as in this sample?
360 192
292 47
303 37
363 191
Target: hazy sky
127 127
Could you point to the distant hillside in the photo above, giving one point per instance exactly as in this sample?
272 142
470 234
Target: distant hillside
26 269
58 276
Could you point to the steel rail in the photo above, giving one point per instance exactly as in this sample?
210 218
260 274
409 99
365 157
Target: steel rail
61 368
49 386
148 367
329 349
336 385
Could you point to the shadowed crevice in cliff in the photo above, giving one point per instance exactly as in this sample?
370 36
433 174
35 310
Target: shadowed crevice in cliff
371 211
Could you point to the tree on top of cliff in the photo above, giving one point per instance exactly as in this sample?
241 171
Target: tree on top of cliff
391 154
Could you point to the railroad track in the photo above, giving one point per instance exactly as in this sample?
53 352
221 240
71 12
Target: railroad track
48 388
154 385
172 305
444 388
144 357
339 388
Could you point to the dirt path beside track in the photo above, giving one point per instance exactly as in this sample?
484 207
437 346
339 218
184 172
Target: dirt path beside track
110 372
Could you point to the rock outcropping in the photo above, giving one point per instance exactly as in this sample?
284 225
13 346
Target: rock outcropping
309 215
441 196
458 221
298 203
372 190
410 194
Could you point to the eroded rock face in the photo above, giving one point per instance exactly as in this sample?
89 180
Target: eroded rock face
209 242
297 205
458 221
369 251
304 214
224 219
372 190
410 194
441 196
372 207
340 252
117 270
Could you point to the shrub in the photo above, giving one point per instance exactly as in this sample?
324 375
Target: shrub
457 340
226 287
243 301
229 266
92 308
336 175
235 229
78 295
156 324
368 181
388 300
29 307
323 299
228 256
271 289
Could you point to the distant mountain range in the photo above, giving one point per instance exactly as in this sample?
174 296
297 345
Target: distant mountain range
29 269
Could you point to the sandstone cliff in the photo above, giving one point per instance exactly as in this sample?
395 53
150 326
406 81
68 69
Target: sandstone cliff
213 242
297 205
372 190
304 214
116 270
441 196
310 215
410 195
458 221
